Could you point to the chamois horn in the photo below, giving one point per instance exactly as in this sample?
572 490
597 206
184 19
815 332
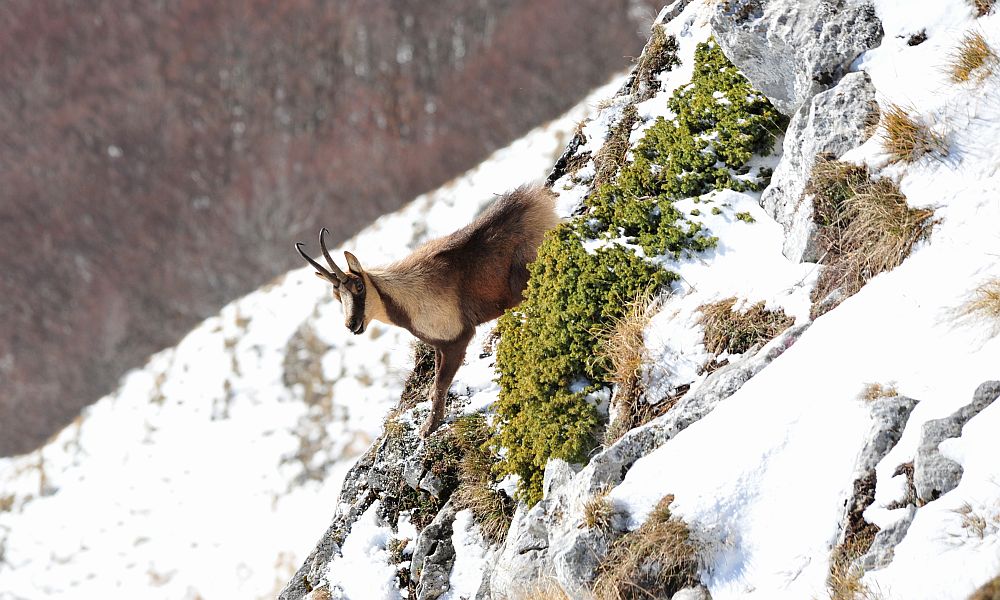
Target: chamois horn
336 278
329 259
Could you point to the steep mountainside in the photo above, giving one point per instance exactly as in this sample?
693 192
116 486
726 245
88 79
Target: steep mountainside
156 157
758 360
209 472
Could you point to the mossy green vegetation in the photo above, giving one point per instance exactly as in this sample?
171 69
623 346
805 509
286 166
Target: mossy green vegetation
591 266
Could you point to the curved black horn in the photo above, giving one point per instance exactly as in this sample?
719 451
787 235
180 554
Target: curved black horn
319 268
329 259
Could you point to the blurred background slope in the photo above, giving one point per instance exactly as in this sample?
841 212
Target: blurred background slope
157 158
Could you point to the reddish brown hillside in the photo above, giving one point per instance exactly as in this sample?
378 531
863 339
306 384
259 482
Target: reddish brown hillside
157 158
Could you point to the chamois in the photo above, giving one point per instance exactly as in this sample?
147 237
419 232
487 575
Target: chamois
448 286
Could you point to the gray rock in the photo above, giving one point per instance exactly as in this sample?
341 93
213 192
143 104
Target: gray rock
792 49
884 545
434 556
832 122
693 593
413 471
933 474
889 418
524 555
432 484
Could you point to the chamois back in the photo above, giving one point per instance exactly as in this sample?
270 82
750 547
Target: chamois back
472 275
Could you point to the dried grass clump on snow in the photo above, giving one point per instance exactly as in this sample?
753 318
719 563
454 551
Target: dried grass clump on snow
874 391
983 306
735 332
491 508
983 7
624 348
655 561
864 227
974 56
905 139
844 580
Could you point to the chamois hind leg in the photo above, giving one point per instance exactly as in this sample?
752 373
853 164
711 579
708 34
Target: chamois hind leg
448 359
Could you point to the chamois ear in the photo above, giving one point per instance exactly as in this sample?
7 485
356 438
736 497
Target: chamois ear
353 263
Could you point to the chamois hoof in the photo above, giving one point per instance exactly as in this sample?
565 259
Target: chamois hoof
430 426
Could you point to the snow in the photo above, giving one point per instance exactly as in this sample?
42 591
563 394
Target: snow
211 471
471 558
363 570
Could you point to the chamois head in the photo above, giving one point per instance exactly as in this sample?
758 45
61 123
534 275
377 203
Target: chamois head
349 288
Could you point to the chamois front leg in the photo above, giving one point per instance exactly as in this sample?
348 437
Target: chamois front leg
448 358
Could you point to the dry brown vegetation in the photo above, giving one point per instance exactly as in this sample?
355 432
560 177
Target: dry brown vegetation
983 7
864 226
491 508
659 55
905 138
624 348
983 306
598 511
543 590
611 158
655 561
844 581
974 56
989 591
735 332
874 391
978 523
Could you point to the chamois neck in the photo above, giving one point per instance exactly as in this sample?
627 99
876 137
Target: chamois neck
381 283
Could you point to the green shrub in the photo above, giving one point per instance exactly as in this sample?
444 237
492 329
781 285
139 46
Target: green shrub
546 356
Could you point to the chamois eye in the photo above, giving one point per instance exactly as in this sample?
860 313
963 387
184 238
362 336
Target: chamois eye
361 287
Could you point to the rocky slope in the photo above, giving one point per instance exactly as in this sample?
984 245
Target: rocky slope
140 138
846 455
209 472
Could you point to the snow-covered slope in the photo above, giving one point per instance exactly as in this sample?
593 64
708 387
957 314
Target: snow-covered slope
211 471
765 474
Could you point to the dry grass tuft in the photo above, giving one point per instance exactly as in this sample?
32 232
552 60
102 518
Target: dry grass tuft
623 345
655 561
660 54
736 332
624 349
905 139
983 305
491 508
989 591
976 523
874 391
844 581
974 56
543 590
983 7
864 226
611 157
598 511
